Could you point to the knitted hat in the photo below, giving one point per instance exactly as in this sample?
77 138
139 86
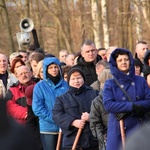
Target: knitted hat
75 69
29 94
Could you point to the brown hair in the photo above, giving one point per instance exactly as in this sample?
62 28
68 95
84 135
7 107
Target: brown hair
14 63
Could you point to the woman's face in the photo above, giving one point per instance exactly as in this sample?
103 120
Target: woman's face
148 80
137 70
53 70
123 63
17 65
34 66
41 73
76 80
65 76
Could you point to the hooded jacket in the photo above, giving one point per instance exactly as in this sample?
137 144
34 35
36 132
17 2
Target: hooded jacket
88 68
115 100
44 95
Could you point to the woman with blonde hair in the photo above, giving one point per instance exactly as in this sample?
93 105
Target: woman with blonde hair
103 76
39 71
98 115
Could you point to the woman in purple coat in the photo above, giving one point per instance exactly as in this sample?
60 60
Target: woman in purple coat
117 103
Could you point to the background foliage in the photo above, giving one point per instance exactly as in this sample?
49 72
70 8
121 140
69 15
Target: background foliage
65 24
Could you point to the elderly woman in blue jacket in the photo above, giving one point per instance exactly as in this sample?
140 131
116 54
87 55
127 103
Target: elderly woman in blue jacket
44 95
71 112
131 110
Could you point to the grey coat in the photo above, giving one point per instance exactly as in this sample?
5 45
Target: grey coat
98 120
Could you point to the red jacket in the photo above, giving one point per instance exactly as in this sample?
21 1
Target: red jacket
16 102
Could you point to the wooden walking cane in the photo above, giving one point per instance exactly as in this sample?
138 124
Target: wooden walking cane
122 132
76 139
59 140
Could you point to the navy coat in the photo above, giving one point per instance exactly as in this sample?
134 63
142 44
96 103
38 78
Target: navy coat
115 100
69 107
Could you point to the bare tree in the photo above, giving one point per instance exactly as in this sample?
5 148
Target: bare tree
60 25
8 28
38 21
27 8
137 6
96 22
105 23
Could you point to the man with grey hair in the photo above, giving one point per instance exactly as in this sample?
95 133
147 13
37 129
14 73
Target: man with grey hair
15 96
100 66
70 59
140 50
6 79
87 60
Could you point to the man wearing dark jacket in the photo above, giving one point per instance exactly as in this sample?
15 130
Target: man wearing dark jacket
141 49
87 60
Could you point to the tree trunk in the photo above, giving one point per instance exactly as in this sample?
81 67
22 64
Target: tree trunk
64 35
80 20
27 9
145 11
120 23
8 28
105 23
137 7
38 24
96 23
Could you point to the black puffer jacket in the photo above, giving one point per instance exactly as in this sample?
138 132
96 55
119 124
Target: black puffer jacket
89 69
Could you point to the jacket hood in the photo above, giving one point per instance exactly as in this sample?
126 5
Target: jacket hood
113 66
146 58
47 62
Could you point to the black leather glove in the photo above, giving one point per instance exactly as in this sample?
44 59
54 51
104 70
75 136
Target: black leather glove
138 110
120 116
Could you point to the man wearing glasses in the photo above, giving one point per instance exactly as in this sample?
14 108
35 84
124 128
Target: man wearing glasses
15 96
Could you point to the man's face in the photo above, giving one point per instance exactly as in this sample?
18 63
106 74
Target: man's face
102 53
3 63
70 60
76 80
123 63
24 56
62 56
99 69
34 66
89 52
23 74
141 49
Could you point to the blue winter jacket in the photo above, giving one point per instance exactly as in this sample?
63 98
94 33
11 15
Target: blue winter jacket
115 100
44 95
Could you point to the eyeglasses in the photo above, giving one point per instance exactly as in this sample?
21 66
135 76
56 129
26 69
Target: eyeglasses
23 73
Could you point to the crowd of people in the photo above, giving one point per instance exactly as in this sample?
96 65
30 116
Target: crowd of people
102 95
